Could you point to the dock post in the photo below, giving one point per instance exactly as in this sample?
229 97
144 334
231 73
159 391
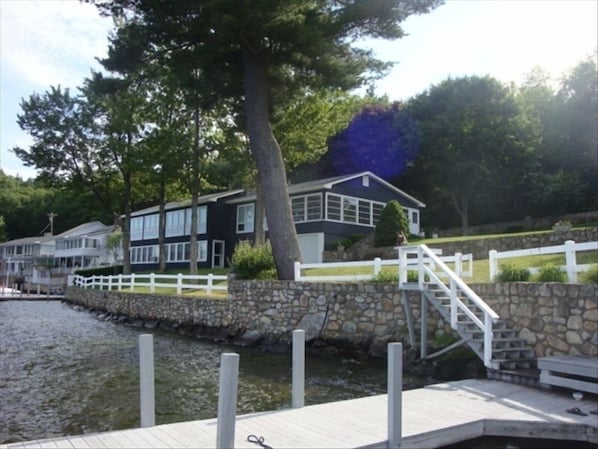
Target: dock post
298 396
146 380
227 401
395 394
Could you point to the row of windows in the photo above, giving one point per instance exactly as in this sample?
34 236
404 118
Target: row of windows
178 223
77 243
175 252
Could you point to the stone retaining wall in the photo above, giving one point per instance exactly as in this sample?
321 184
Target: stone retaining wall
554 318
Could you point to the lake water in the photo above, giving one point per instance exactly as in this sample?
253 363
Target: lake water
67 372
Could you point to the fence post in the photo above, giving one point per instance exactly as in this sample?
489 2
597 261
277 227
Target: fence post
377 266
227 401
146 380
132 282
152 282
179 283
298 396
210 283
492 259
120 281
571 261
420 267
453 294
297 269
459 264
395 393
110 283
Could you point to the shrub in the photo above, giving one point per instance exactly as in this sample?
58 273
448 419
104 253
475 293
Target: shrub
512 273
392 220
386 277
253 262
590 276
550 273
100 271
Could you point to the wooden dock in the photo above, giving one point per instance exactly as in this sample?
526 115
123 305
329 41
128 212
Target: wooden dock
433 416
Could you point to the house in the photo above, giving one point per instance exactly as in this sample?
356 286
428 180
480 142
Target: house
325 211
39 259
83 246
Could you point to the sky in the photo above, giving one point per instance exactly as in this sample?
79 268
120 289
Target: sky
47 43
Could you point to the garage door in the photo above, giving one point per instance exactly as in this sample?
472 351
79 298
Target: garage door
311 247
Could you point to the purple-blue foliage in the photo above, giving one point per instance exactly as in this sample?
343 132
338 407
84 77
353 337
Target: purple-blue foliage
381 139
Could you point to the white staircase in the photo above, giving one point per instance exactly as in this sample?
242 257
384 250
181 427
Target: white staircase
492 339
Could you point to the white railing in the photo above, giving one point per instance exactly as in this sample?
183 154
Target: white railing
570 248
151 280
430 270
375 267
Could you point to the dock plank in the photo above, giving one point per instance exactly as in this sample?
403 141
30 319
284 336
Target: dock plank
432 416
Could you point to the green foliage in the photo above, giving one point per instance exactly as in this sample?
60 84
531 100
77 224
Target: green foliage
386 277
512 273
253 261
101 271
2 229
590 276
392 220
550 273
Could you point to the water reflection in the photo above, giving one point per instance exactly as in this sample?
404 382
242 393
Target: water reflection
65 372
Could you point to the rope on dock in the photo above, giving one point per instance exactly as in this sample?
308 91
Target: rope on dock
258 440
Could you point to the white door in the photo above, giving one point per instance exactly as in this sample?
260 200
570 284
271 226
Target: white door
311 247
217 253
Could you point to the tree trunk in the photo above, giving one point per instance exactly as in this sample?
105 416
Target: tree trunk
194 195
126 228
260 234
162 229
271 172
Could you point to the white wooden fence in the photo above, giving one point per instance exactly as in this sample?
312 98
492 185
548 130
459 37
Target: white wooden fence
131 281
375 266
570 248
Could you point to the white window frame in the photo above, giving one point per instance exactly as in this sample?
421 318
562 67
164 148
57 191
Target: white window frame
359 203
151 226
303 202
202 215
245 225
175 223
136 231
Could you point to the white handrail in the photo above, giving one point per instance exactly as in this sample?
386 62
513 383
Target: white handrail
457 285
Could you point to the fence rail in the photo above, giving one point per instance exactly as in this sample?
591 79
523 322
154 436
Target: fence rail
131 281
570 248
375 265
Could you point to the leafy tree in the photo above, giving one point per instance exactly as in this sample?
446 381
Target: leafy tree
392 221
2 229
381 139
257 54
475 141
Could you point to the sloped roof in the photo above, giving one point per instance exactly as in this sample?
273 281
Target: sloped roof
92 227
209 198
328 183
29 240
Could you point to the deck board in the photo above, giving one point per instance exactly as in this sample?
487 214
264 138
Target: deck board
432 416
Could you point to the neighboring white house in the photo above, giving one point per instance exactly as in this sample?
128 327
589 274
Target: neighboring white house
83 246
23 257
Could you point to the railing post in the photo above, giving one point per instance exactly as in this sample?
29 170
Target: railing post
488 337
377 266
210 283
227 401
297 270
152 282
146 380
298 388
110 283
395 394
453 294
402 266
459 264
179 283
571 261
492 259
120 281
132 282
420 267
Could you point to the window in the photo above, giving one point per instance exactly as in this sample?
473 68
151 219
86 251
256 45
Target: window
150 226
136 228
175 223
245 218
414 217
201 220
181 252
348 209
365 181
202 251
144 254
307 208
